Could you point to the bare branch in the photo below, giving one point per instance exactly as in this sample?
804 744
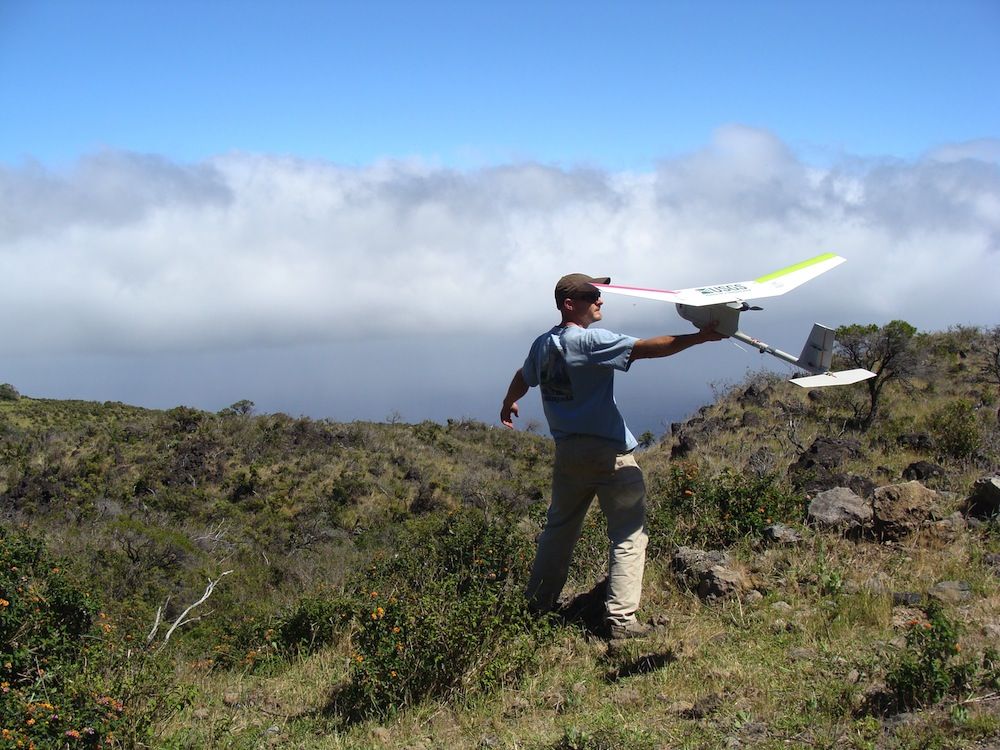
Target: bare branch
181 620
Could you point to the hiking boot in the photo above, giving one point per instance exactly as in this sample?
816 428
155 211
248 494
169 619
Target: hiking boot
634 629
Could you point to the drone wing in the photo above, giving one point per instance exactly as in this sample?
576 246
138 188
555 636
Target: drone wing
769 285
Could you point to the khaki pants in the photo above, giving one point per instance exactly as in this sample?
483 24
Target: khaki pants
585 467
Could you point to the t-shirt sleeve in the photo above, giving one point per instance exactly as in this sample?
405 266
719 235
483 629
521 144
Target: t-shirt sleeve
607 349
529 370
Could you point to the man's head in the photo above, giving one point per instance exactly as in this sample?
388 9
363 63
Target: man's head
578 300
575 285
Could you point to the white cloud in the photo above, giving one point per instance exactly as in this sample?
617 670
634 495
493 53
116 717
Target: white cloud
133 253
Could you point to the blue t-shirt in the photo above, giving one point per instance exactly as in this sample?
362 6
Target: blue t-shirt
575 368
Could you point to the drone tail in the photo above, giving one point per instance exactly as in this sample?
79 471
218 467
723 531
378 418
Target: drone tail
817 354
817 357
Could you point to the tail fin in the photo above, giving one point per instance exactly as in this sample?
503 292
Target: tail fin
843 377
817 354
817 357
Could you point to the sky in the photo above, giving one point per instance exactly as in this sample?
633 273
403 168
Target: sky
355 210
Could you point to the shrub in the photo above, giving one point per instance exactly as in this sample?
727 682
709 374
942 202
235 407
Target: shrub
313 623
444 612
257 641
926 671
8 392
955 429
717 510
62 679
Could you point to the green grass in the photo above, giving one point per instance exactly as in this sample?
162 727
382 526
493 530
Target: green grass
312 516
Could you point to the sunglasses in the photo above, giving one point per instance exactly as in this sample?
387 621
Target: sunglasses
590 297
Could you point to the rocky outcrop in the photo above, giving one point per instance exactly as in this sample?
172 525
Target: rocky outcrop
713 575
779 534
984 501
841 510
901 509
820 467
923 470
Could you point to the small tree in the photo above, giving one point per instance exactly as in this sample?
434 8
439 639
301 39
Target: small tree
243 408
887 351
8 392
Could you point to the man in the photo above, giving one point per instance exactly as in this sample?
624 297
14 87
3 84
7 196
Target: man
574 365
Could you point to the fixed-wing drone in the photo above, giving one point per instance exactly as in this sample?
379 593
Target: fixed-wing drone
723 303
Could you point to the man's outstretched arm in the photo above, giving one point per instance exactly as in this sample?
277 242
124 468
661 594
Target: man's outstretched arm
664 346
518 387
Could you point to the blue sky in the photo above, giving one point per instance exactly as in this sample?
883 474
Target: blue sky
353 209
613 84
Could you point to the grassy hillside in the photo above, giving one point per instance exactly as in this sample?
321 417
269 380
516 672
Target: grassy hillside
360 582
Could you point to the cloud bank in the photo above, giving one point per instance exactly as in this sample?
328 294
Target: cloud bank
125 252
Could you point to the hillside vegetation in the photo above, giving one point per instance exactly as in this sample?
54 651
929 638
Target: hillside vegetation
183 579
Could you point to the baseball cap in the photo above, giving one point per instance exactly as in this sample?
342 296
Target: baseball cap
574 284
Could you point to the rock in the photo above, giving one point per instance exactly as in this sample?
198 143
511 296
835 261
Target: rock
993 560
906 599
818 469
826 454
679 708
984 501
753 596
780 606
685 444
942 533
704 707
231 698
951 592
991 629
756 394
840 509
711 574
780 534
917 441
923 470
900 509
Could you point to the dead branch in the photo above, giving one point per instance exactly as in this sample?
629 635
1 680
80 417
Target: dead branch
182 619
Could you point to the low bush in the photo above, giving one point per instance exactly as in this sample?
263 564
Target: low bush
313 623
956 430
928 669
64 681
690 506
445 612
